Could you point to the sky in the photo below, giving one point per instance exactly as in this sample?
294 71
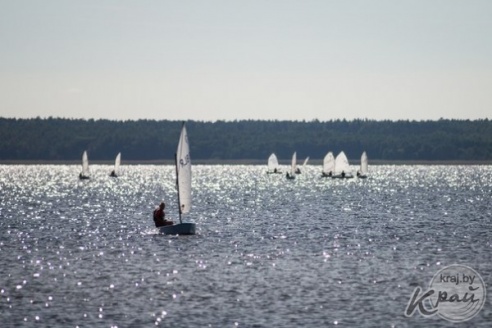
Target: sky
256 59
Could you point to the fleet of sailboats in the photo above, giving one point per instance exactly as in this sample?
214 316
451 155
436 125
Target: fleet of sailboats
332 167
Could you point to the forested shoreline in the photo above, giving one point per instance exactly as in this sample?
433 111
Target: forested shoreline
59 139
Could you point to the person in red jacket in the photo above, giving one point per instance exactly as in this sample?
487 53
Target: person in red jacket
160 216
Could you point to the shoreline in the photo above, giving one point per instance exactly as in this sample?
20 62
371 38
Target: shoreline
243 162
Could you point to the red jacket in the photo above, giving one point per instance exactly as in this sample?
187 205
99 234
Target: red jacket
159 217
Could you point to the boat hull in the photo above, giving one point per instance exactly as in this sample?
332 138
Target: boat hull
178 229
347 176
290 176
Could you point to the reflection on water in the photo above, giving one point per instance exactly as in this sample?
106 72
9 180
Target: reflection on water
269 251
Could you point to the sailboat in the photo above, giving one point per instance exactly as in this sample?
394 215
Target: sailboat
328 165
298 170
362 173
273 166
84 175
305 162
293 164
342 167
116 170
183 184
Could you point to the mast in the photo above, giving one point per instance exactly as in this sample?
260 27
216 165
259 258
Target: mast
177 185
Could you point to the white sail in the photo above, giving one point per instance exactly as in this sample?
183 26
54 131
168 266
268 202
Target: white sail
329 163
305 162
363 164
272 163
85 164
117 162
293 164
183 172
341 164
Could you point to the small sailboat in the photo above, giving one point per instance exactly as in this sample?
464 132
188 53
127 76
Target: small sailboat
84 175
116 170
305 162
183 184
362 172
292 174
342 167
273 166
328 165
298 170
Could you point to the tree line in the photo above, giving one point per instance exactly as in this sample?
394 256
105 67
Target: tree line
66 139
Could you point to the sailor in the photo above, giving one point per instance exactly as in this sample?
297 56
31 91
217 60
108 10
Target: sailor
159 216
113 174
343 174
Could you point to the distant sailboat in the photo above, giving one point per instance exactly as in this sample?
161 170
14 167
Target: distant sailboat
362 173
292 174
183 184
273 166
305 162
328 165
342 167
298 170
116 170
84 175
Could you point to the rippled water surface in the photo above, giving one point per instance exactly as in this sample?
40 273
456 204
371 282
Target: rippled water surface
269 252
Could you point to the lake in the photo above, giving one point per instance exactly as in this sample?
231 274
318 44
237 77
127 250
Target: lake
269 252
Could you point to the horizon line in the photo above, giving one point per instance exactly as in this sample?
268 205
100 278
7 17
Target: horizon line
315 120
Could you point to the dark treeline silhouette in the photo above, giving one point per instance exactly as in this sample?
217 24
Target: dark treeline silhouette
66 139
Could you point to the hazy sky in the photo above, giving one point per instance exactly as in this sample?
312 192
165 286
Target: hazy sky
265 59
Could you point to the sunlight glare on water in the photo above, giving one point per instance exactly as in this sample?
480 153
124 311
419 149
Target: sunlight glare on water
268 251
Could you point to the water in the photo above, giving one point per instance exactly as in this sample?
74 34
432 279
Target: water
269 252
